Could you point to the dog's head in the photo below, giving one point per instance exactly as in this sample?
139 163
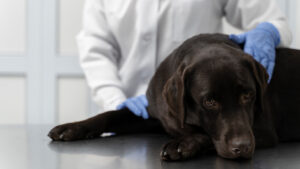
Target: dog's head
221 91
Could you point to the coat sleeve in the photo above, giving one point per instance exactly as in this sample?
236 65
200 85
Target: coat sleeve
99 55
246 14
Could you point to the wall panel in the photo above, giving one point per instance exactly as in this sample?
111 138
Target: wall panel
70 14
13 26
72 99
12 100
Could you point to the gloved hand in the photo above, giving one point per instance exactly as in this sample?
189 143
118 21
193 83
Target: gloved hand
137 105
260 43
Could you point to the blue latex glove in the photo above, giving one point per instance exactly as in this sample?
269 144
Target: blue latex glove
260 43
137 105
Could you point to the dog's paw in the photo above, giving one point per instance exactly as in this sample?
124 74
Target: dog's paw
181 149
71 132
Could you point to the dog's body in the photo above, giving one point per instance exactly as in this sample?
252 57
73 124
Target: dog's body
209 93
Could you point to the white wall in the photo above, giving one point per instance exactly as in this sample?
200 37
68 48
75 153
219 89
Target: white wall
72 98
40 78
69 25
296 22
12 99
13 26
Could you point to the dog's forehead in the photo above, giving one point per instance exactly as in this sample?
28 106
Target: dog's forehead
222 71
221 65
222 57
222 51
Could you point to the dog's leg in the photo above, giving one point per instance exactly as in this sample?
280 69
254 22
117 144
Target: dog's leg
119 122
186 147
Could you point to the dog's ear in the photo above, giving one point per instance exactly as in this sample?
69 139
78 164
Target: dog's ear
174 93
261 79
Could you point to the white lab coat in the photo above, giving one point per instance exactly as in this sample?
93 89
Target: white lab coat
123 41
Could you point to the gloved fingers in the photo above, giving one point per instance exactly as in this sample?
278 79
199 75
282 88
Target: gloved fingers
257 55
239 39
121 106
144 100
269 60
265 63
132 107
249 49
142 108
269 50
145 114
136 105
270 70
263 57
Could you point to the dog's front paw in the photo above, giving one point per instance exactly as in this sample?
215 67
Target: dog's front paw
180 149
71 132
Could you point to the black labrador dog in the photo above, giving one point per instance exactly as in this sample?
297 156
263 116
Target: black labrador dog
208 94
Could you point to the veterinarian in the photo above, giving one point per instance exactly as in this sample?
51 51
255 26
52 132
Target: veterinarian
123 41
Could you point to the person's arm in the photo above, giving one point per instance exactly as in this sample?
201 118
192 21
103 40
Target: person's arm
99 57
265 25
247 14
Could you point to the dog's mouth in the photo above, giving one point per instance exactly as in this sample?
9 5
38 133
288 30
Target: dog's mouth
238 147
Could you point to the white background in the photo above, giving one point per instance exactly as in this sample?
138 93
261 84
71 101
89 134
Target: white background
40 78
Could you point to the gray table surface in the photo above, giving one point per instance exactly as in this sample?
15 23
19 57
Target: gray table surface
28 147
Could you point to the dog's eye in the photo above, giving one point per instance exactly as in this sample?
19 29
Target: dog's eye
246 97
211 104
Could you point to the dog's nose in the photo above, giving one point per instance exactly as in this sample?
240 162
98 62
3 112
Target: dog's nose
241 147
